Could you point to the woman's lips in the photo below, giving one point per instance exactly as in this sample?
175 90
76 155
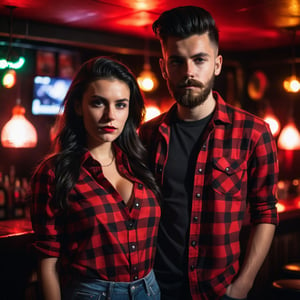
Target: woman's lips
108 129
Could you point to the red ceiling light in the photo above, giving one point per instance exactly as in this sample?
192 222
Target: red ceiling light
273 122
9 78
18 132
147 80
292 83
289 138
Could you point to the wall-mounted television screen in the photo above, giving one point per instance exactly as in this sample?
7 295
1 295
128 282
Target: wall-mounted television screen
48 94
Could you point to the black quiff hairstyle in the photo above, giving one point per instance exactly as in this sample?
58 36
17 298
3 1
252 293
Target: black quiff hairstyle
184 21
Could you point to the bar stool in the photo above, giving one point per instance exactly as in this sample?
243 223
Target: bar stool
284 289
292 270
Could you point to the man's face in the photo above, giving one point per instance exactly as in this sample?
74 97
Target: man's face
189 66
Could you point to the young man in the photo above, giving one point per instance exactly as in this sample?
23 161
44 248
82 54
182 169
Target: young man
212 161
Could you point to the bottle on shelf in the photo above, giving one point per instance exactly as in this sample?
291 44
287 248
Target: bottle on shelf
18 200
3 199
7 186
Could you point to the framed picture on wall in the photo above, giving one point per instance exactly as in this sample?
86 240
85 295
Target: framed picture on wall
66 65
45 63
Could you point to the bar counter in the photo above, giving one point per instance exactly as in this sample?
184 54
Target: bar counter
15 227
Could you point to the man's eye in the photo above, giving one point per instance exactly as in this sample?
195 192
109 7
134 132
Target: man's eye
199 60
174 62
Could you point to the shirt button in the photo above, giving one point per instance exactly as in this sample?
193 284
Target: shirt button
133 247
140 186
160 170
135 278
200 170
195 219
137 204
204 146
192 267
227 169
198 195
194 243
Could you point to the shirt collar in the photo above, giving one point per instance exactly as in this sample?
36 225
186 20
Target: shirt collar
122 161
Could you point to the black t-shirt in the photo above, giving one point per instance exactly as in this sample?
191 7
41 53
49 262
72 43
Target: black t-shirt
172 257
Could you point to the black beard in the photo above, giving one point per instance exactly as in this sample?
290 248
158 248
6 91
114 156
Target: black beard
189 99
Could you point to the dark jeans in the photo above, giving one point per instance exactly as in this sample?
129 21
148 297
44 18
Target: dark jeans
143 289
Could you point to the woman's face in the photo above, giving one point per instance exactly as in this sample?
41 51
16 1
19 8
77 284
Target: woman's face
104 109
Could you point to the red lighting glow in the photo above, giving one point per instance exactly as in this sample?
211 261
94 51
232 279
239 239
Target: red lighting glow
9 79
18 132
289 138
273 123
280 207
151 112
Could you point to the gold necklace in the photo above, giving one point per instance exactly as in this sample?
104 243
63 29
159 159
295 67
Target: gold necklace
108 163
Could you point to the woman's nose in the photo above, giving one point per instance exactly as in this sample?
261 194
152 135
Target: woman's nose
110 112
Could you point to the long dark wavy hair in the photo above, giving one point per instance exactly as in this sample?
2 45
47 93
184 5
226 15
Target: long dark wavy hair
70 141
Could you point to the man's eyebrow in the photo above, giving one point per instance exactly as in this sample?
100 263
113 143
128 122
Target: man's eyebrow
200 54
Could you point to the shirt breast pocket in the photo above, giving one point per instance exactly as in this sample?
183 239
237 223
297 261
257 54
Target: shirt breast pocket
227 175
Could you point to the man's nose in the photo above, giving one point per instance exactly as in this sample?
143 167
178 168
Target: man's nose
190 69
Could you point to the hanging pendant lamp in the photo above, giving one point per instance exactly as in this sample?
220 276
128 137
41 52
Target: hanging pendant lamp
289 138
147 80
18 132
292 83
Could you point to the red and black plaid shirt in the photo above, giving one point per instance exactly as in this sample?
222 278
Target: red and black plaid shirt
98 236
236 166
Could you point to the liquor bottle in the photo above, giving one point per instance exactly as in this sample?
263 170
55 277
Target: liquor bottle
26 197
3 200
9 196
18 200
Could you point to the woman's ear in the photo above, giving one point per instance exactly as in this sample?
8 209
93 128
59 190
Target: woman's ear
78 108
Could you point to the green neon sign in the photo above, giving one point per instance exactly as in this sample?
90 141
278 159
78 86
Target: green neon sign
4 63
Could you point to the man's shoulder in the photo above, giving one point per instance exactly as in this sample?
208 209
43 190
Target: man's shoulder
148 130
153 123
237 113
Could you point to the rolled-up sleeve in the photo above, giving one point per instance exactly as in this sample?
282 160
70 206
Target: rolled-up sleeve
263 177
46 222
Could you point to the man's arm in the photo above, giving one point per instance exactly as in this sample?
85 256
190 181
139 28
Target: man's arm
260 240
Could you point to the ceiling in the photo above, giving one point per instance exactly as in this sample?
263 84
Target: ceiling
243 24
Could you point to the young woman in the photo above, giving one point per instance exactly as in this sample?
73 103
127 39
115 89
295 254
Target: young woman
95 209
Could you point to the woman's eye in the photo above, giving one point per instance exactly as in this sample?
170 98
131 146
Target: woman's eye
121 105
97 103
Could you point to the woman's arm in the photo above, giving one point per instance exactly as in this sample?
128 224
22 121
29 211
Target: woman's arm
49 278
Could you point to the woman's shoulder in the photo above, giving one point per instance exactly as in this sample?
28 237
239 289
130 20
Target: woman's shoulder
46 165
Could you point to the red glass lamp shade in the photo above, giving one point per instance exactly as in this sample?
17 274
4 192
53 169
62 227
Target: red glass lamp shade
289 138
18 132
